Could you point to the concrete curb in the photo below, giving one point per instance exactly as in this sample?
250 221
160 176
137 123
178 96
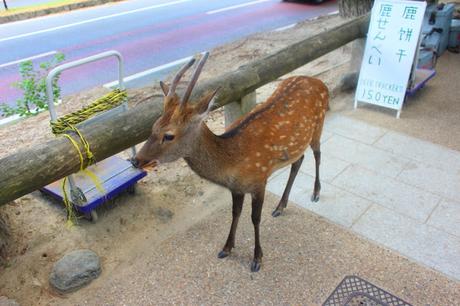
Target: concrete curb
53 10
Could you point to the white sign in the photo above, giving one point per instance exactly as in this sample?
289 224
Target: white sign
390 49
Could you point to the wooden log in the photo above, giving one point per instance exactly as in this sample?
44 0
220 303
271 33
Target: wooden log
247 78
31 169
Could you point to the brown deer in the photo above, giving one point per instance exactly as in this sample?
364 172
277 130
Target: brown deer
274 134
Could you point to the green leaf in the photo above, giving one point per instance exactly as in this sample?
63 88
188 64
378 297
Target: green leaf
33 86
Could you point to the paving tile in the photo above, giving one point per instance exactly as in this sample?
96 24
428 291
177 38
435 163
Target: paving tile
325 135
335 204
446 217
420 150
353 129
368 156
439 181
330 166
388 192
423 243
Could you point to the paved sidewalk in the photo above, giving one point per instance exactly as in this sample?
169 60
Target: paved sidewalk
396 190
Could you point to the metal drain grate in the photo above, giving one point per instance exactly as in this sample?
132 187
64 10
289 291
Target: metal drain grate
355 291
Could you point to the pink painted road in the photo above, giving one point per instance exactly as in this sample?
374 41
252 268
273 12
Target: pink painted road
148 33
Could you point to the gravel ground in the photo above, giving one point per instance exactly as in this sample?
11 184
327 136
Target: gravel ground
305 258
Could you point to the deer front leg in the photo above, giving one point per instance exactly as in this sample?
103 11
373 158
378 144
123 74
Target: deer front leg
284 199
257 203
236 212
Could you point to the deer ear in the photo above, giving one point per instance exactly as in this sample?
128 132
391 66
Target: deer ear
206 103
165 88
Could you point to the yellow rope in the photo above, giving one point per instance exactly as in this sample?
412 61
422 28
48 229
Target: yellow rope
71 217
66 123
104 103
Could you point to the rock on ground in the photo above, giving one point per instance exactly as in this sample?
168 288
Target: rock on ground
75 270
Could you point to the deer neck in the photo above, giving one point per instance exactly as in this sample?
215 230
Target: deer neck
211 155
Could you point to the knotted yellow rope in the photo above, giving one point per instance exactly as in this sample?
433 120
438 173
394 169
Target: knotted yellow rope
66 124
104 103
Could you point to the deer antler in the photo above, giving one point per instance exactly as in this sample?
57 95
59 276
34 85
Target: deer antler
178 76
195 76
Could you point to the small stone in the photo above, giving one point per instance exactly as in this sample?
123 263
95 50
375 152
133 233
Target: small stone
75 270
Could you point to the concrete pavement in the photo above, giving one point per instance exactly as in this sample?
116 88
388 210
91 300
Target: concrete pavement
396 190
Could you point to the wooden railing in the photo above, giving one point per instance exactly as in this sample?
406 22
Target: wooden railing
31 169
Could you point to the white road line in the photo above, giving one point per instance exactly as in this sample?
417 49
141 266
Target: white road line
149 71
93 20
285 27
27 59
235 6
333 13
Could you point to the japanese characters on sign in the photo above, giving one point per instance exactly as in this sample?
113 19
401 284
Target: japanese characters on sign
390 49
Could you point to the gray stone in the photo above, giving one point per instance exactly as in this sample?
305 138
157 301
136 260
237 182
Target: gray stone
75 270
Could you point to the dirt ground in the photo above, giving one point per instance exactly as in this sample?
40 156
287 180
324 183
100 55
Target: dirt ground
159 246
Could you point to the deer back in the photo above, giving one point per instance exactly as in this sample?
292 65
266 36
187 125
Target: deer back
277 132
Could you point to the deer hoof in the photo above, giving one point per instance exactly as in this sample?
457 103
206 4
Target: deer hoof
315 198
223 254
255 266
276 213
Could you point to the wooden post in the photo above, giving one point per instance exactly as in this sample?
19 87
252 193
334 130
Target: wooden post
235 110
352 9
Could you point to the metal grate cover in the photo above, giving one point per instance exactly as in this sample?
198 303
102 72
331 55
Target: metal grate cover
355 291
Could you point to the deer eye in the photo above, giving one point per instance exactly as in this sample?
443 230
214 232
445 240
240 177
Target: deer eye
168 137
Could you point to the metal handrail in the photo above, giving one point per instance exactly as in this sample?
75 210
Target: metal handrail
52 74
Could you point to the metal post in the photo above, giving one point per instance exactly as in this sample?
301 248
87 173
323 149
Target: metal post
52 74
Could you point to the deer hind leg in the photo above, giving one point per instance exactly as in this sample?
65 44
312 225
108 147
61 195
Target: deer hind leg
257 203
238 200
317 154
284 199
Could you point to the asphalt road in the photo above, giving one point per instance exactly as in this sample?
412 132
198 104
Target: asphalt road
149 33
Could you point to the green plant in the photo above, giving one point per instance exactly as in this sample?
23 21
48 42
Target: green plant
33 86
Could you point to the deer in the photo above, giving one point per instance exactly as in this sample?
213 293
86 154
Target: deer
275 134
